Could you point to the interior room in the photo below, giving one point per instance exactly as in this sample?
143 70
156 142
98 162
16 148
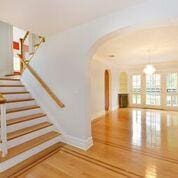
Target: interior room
134 80
89 89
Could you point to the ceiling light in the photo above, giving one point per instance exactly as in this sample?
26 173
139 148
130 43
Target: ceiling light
111 55
149 69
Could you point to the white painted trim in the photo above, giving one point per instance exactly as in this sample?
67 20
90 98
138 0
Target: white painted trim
27 154
102 113
26 124
83 144
22 139
163 92
24 113
21 104
98 114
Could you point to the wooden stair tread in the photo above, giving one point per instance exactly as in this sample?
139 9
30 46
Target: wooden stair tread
12 152
12 93
27 130
20 100
14 74
12 86
26 118
13 79
22 108
25 165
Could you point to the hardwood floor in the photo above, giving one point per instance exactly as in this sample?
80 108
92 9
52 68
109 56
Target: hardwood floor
127 143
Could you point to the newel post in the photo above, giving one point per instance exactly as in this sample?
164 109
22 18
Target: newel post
4 148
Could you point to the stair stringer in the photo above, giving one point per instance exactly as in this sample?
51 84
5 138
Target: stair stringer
58 116
42 98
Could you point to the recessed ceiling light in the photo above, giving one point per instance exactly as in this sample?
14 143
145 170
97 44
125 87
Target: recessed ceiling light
111 55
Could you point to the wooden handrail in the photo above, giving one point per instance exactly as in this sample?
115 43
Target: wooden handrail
26 35
43 84
25 64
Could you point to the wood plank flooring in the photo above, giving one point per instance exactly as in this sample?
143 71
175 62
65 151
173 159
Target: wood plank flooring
127 143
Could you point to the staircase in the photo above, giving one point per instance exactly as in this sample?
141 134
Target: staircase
30 135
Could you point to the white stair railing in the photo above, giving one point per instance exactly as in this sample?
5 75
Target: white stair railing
3 133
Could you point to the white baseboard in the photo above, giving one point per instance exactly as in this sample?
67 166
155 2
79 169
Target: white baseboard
98 114
115 107
77 142
27 154
101 113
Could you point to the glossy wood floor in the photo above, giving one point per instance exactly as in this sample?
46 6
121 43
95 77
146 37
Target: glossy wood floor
127 143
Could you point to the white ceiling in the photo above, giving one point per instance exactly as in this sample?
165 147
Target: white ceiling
139 47
50 16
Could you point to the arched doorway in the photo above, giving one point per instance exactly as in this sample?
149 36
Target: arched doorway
107 90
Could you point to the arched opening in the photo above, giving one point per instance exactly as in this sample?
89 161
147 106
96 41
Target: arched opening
126 56
128 52
107 90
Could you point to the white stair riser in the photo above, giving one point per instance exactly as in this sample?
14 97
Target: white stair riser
25 155
25 124
13 77
12 89
23 113
27 137
10 82
17 96
20 104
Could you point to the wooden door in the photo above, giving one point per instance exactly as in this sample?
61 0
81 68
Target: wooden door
107 90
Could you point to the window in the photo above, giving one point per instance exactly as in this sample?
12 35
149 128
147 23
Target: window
153 89
171 83
175 101
136 89
168 100
171 89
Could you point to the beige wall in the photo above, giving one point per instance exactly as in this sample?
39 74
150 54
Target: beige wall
123 82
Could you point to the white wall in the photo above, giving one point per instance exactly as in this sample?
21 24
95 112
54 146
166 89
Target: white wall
97 89
6 54
115 88
18 33
31 40
64 60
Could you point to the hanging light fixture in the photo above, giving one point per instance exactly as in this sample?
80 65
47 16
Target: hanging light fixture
149 68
